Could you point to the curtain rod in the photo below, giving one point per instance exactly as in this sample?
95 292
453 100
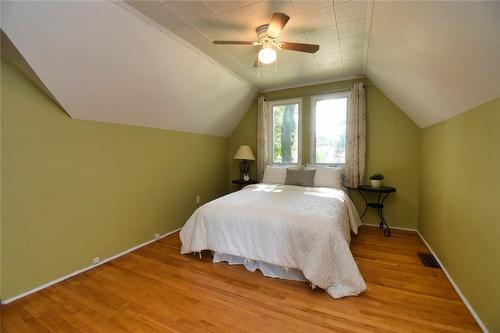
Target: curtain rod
291 94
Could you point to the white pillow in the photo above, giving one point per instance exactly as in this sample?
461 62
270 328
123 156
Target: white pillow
328 177
274 175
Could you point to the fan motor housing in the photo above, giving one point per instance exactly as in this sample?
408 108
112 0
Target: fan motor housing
261 31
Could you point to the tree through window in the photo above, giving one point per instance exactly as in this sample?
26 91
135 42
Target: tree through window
285 133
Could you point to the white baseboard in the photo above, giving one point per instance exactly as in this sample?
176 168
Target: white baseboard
84 269
459 292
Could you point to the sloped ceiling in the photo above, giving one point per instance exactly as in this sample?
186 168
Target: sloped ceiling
107 61
435 59
103 63
9 51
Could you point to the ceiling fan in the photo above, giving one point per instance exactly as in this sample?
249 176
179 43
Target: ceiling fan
267 38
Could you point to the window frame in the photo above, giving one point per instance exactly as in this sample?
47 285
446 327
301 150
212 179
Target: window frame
315 99
270 148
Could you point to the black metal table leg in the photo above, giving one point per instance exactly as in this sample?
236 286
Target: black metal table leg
379 211
382 194
366 204
383 224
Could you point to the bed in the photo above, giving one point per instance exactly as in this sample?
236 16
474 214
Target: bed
286 231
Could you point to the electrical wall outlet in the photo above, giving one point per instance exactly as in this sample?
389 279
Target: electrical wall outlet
157 236
96 260
198 199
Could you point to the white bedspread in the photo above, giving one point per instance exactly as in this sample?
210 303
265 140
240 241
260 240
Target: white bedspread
306 228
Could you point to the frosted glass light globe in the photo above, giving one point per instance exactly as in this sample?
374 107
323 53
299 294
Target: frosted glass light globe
267 55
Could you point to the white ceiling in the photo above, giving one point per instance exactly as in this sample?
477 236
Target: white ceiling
154 64
339 27
102 63
435 59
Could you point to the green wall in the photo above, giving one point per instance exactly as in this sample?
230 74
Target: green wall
392 146
244 134
73 190
460 201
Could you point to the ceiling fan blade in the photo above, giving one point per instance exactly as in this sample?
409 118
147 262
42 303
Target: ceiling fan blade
309 48
232 42
278 22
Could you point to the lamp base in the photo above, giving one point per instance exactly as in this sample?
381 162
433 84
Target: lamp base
244 169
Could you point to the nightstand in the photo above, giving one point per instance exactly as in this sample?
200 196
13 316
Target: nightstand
240 183
382 194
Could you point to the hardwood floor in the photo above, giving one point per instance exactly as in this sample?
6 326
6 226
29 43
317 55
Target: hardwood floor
155 289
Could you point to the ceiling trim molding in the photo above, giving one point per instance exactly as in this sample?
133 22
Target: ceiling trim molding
312 83
161 28
369 19
338 37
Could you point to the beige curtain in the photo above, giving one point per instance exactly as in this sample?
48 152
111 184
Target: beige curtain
356 136
262 136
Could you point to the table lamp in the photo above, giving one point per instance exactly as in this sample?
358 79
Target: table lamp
244 154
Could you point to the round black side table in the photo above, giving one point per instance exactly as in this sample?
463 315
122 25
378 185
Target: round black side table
383 192
240 183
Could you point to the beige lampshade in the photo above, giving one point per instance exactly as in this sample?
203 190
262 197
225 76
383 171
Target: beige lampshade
244 153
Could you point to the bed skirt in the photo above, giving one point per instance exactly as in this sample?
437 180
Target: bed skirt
267 269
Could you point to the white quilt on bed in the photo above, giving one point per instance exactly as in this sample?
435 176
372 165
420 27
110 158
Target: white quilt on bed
306 228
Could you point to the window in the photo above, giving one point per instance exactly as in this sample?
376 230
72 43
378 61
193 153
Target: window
284 141
329 128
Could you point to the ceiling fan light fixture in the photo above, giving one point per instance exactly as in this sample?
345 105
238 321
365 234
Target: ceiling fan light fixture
267 55
268 40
